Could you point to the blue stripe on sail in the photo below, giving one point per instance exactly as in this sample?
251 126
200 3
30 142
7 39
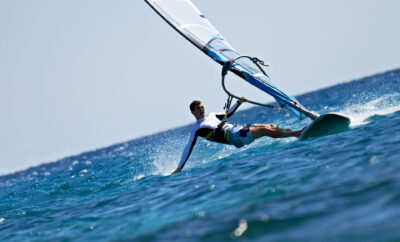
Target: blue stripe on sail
216 56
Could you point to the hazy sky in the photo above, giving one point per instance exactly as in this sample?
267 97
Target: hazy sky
78 75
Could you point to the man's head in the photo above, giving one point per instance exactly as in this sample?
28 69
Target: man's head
197 109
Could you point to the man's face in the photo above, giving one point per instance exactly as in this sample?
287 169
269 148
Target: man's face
198 110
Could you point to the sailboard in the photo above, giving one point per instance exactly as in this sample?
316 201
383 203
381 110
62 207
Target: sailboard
186 19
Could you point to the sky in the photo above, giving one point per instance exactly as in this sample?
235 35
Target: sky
79 75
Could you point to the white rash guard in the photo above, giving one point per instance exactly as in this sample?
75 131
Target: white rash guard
208 128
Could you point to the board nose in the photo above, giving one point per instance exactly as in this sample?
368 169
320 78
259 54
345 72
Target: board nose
326 124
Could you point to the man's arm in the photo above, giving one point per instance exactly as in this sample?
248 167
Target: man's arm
233 109
187 151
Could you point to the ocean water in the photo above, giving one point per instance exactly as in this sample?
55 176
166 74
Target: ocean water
343 187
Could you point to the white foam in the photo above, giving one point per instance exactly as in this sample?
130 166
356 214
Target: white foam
136 178
381 106
165 165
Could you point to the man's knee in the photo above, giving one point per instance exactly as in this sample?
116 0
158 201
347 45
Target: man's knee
272 127
264 126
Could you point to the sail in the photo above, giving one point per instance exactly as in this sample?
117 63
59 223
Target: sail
185 18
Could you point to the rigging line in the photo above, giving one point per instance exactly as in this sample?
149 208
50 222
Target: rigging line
227 106
227 66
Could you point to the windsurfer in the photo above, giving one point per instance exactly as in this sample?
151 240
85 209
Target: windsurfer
213 127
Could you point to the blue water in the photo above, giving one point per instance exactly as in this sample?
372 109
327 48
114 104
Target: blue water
343 187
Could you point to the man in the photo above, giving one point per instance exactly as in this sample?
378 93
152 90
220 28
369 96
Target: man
213 128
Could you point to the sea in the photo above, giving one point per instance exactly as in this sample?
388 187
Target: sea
342 187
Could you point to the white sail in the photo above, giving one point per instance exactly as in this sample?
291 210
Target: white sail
186 19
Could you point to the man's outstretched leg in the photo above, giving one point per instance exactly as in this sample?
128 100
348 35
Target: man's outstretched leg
271 130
